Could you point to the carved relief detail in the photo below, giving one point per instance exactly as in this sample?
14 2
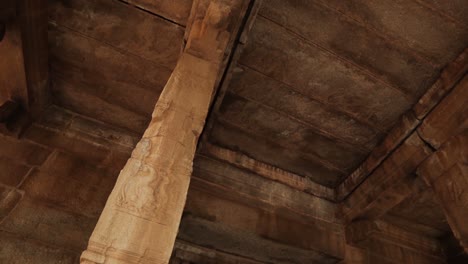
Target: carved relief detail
139 191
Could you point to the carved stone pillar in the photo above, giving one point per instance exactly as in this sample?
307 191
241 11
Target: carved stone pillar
140 220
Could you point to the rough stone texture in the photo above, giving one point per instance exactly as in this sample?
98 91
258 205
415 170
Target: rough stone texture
391 244
388 184
323 82
311 89
140 219
446 172
449 118
17 250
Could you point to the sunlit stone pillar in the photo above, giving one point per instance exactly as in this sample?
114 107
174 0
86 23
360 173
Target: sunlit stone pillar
141 217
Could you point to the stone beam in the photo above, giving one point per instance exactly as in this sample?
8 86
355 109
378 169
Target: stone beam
380 242
140 220
448 79
230 182
446 171
186 252
238 205
449 118
389 184
267 171
246 244
390 180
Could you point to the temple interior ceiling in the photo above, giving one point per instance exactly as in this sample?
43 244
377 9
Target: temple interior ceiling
322 124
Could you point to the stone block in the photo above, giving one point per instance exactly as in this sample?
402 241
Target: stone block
66 142
48 224
72 183
9 198
11 171
15 250
22 151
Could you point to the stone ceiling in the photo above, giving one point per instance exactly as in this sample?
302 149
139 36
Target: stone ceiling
311 91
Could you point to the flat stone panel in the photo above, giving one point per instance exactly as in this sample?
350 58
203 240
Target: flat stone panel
123 27
68 143
423 208
16 250
9 199
233 241
224 178
292 134
22 151
257 87
353 42
71 183
412 24
318 74
288 229
12 171
101 70
261 149
49 225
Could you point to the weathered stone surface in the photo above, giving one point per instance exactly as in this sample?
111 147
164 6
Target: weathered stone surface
392 244
9 199
71 183
270 172
12 172
68 142
213 235
392 174
421 213
277 53
347 38
155 39
419 28
447 173
257 87
354 255
90 130
174 10
188 252
140 202
142 214
395 136
261 149
319 85
262 121
449 77
23 151
49 224
218 178
17 250
449 118
71 97
105 75
286 227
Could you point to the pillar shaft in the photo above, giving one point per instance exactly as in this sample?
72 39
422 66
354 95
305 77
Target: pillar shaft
141 217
